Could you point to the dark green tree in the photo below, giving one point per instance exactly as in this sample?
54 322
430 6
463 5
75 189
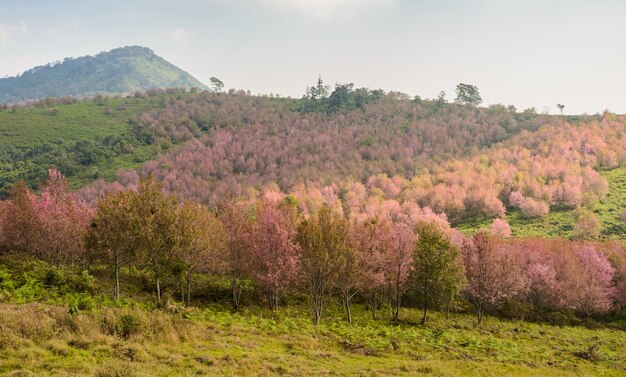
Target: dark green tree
438 268
217 84
468 95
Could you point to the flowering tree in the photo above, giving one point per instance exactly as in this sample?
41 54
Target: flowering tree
399 262
274 251
63 220
588 284
19 223
369 238
492 274
500 228
235 260
587 225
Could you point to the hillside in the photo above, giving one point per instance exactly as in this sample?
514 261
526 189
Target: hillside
122 70
374 152
87 140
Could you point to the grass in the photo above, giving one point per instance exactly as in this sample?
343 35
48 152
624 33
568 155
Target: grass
215 341
560 223
33 126
33 139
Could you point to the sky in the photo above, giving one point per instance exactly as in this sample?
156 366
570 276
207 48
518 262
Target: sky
526 53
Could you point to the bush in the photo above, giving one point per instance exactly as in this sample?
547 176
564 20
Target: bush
128 325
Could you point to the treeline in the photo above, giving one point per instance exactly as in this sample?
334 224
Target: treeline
322 254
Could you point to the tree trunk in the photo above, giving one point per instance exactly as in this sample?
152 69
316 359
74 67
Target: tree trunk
346 304
158 288
373 304
272 299
182 291
235 286
479 313
188 288
425 307
116 288
317 298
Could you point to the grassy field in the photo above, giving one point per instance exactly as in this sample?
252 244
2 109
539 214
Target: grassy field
560 223
33 139
46 340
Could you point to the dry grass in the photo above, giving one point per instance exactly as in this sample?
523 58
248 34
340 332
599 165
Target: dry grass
46 340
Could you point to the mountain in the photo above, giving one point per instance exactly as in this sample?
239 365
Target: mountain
122 70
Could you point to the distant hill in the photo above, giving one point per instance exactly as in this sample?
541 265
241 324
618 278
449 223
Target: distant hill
122 70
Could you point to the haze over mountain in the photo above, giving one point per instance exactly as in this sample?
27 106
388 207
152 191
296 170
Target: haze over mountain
122 70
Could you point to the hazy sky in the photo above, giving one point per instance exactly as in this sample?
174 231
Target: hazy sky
521 52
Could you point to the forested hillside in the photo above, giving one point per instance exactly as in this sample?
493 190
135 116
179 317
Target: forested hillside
374 152
122 70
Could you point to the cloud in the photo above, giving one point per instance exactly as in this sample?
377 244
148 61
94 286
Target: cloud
328 9
177 35
7 31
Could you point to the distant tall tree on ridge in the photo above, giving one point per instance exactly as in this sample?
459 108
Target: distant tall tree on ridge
319 91
468 95
561 107
217 84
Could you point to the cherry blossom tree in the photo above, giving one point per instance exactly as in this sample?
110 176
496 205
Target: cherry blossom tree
492 274
274 251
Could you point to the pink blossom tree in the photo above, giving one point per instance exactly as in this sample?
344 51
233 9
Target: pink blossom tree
588 286
500 228
274 251
493 276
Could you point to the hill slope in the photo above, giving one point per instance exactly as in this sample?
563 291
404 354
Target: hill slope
121 70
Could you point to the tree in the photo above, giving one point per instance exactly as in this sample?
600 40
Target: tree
319 91
440 101
587 224
438 269
235 261
369 238
200 241
588 287
500 228
63 220
274 250
492 274
110 234
154 217
323 239
350 270
399 250
561 107
19 223
217 84
468 95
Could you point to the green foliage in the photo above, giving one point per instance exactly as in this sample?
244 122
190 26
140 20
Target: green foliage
438 270
344 98
468 95
122 70
128 325
80 141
